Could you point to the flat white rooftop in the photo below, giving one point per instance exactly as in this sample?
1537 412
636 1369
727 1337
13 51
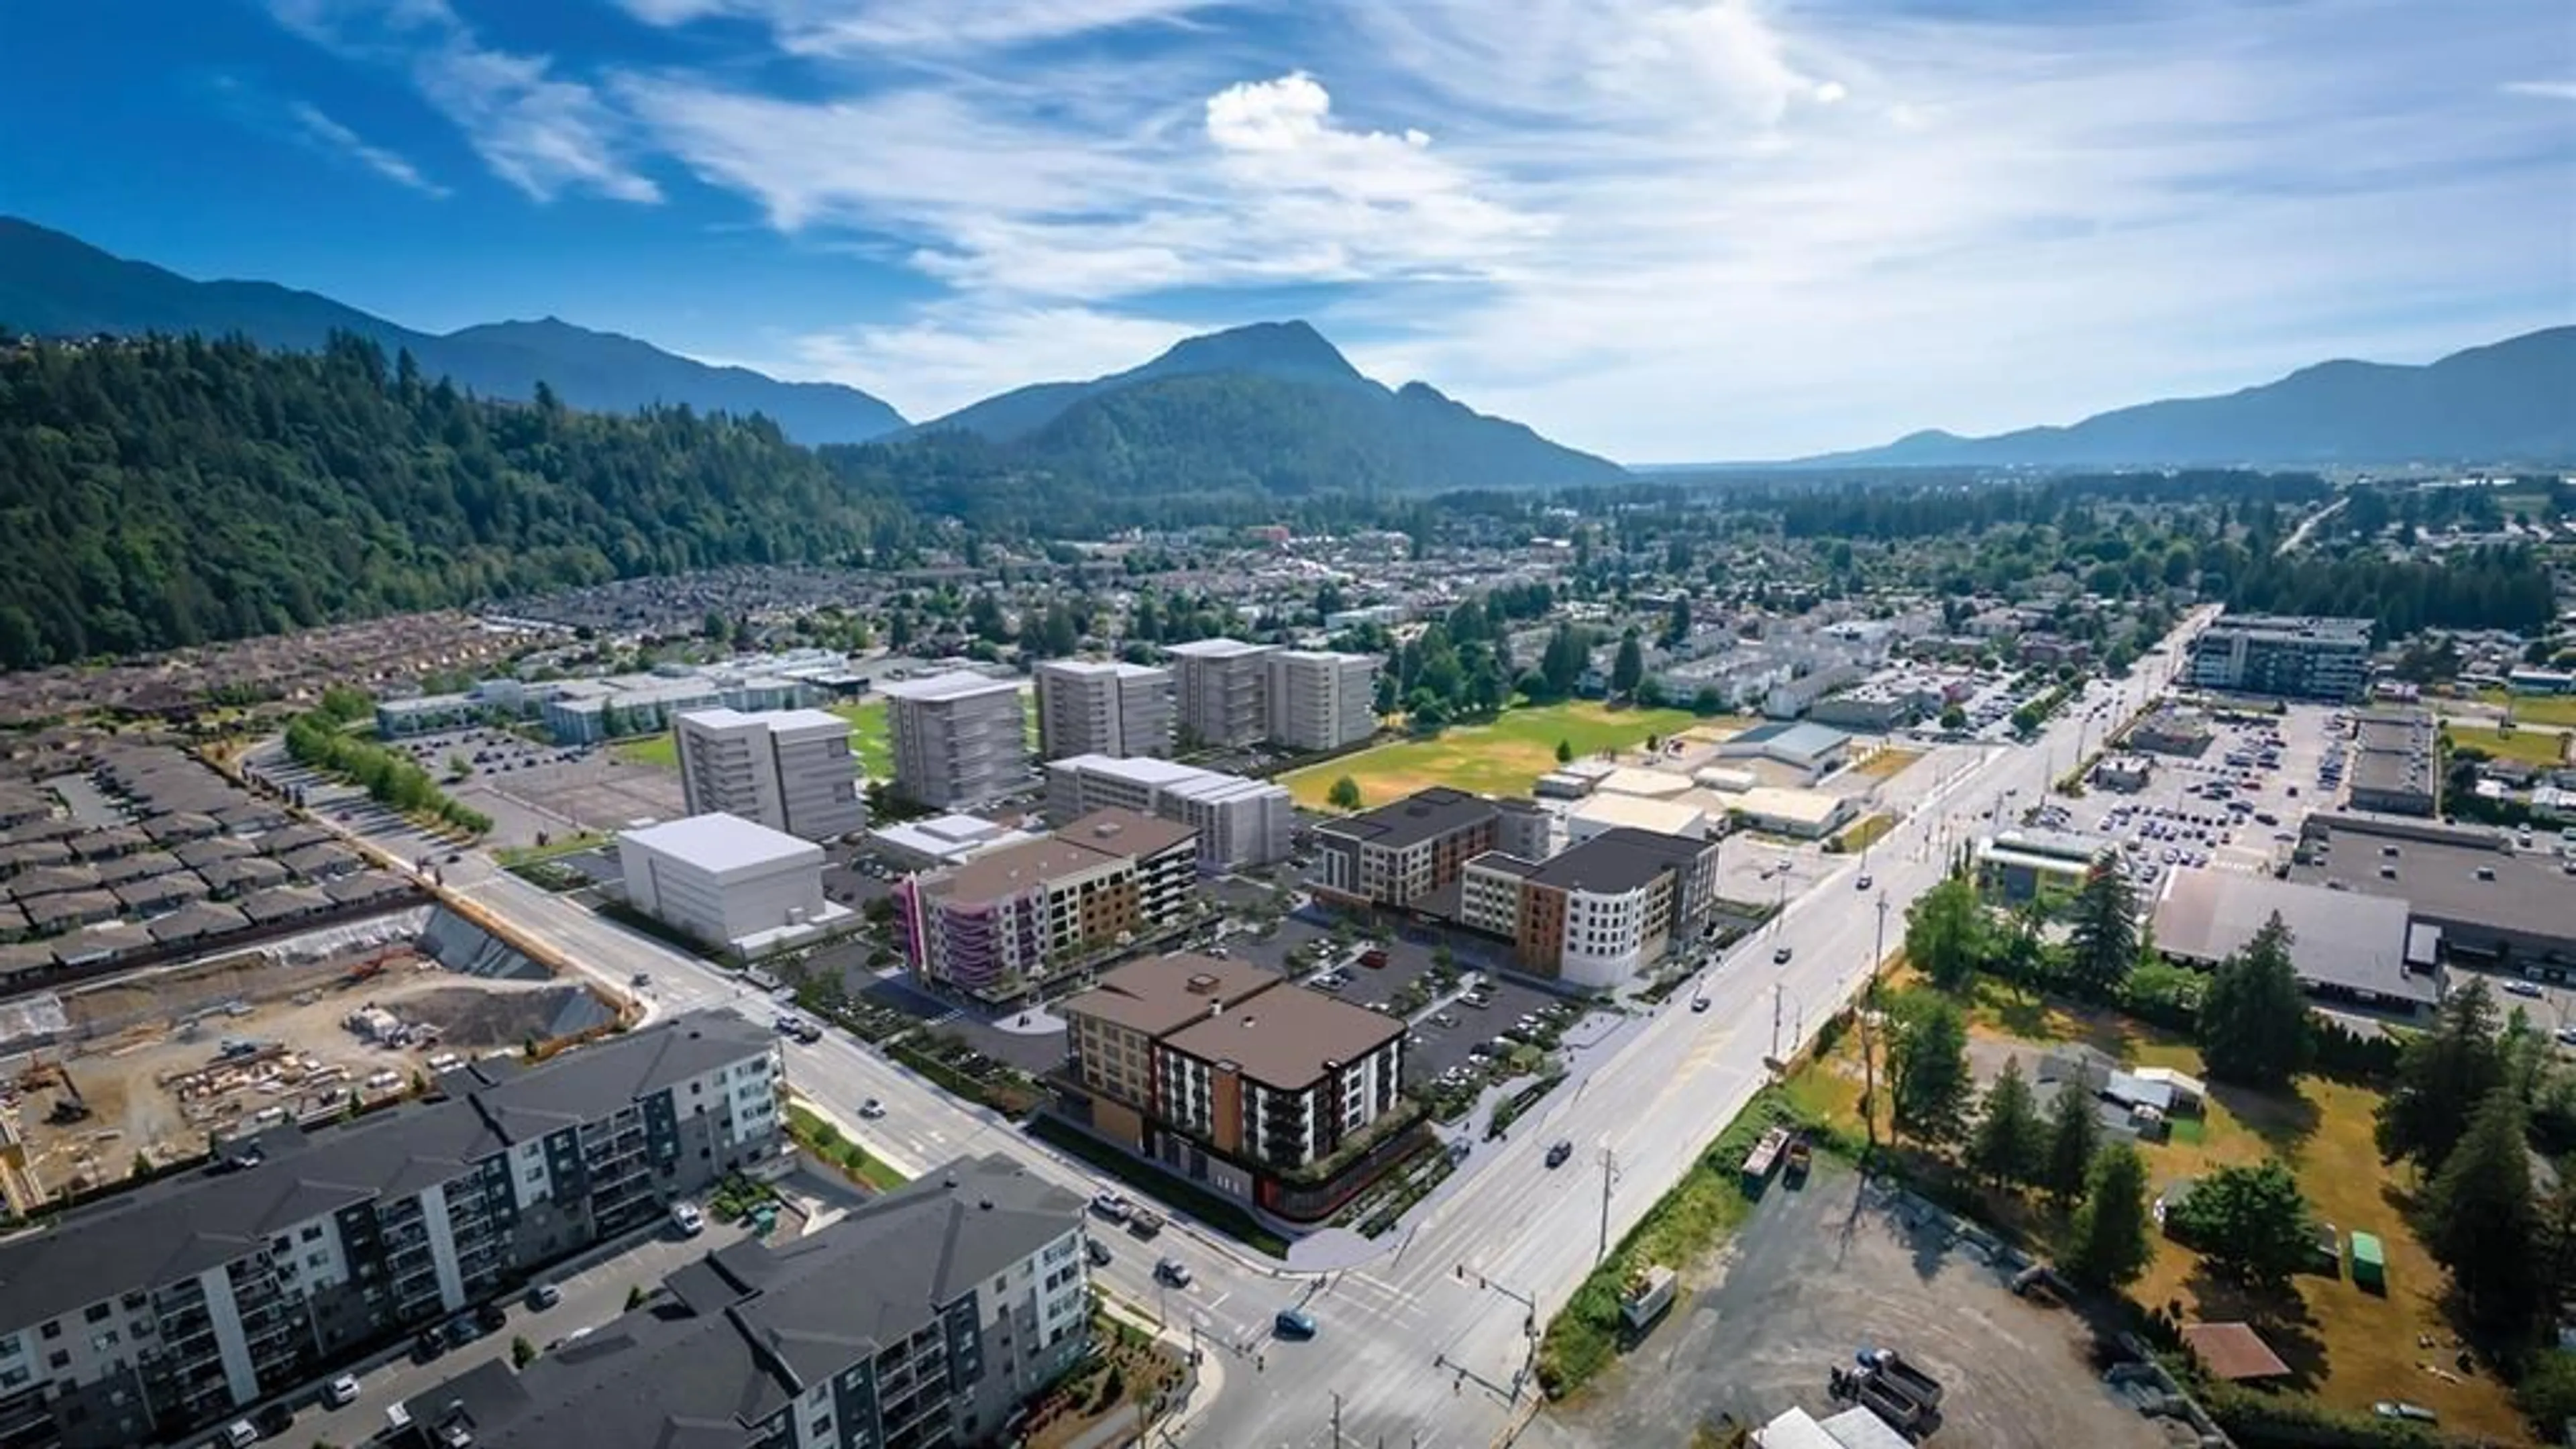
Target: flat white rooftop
962 684
1218 648
1118 668
719 842
774 719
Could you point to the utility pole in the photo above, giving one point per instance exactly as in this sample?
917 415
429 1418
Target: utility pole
1337 1419
1775 1021
1868 1050
1609 1177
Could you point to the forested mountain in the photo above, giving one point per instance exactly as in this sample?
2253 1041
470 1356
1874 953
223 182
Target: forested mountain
169 491
1271 411
2502 404
54 285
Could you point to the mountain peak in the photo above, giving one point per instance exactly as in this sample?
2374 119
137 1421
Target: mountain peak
1292 349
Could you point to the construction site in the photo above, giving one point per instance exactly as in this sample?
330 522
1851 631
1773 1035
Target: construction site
129 1075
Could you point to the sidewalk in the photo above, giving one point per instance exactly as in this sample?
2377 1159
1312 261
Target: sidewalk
1204 1388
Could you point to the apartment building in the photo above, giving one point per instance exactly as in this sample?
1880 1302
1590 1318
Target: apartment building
1398 853
923 1318
1223 690
2274 654
1597 913
1234 1078
179 1304
1095 707
790 769
1241 823
1013 917
1320 700
959 738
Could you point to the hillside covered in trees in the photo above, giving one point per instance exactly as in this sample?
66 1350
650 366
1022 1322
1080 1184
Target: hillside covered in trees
168 492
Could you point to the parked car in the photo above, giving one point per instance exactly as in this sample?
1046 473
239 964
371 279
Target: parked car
491 1318
1861 884
2400 1409
1098 1252
1172 1271
543 1296
240 1435
341 1392
429 1345
1699 1003
2522 988
272 1420
686 1217
1111 1206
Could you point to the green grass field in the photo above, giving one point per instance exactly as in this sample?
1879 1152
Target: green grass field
1501 758
2538 747
2549 709
869 740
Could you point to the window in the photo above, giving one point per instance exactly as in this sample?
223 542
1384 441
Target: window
103 1340
312 1232
96 1313
133 1302
59 1359
13 1378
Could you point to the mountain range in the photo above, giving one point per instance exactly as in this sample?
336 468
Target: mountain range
2509 402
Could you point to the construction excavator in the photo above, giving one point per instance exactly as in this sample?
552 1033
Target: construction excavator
68 1105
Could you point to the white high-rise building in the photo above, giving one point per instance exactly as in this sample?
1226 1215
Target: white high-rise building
1240 822
1224 692
1320 700
1096 707
788 769
959 739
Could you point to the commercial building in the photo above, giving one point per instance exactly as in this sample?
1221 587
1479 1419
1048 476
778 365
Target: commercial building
1240 822
1320 700
2486 903
1223 687
2345 947
1399 852
790 769
922 1318
728 882
2183 732
1798 814
1102 707
959 738
2394 769
1231 1077
2047 866
2273 654
1609 811
1011 918
942 840
1596 913
618 706
183 1302
1811 750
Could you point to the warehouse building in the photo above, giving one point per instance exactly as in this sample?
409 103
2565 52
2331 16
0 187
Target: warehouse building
181 1303
2046 866
2346 948
2394 769
1798 814
2491 905
1812 751
728 882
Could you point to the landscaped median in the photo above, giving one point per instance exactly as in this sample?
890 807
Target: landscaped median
821 1138
1708 1204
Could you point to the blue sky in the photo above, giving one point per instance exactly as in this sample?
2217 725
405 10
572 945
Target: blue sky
1660 229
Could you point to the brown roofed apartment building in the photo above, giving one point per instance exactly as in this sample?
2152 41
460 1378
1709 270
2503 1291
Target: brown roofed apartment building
999 923
1231 1077
1397 854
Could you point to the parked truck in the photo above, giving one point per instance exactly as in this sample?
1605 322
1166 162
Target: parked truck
1800 1157
1900 1413
1906 1378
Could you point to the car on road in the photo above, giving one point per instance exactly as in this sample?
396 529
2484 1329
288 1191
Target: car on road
640 978
272 1420
871 1109
429 1345
341 1392
1699 1003
491 1318
1861 884
686 1217
2522 988
1781 956
1293 1323
1172 1271
1097 1251
1111 1206
239 1435
543 1296
1559 1153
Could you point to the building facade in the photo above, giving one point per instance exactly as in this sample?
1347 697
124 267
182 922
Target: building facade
1241 823
1320 700
1096 707
959 739
2394 767
1599 912
2046 866
791 770
923 1318
1223 691
1018 916
2296 658
1398 853
1232 1077
182 1303
728 882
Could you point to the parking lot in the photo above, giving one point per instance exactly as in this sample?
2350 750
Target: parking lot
564 791
1816 1275
2235 805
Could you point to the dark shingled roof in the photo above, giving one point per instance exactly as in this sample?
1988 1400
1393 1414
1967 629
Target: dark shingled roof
1420 816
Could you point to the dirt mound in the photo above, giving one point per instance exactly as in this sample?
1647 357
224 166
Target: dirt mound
470 1017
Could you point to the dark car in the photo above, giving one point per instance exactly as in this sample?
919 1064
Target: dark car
1293 1323
1098 1251
273 1420
429 1345
543 1296
1781 956
1560 1153
490 1319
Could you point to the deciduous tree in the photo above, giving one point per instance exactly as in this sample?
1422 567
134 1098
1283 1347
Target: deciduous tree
2248 1223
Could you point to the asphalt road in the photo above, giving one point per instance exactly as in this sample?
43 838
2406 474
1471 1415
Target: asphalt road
1430 1344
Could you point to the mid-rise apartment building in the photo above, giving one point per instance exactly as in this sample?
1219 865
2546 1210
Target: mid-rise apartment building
959 738
923 1318
1232 1077
1240 822
1011 918
1223 691
790 769
179 1304
1398 853
1097 707
1320 700
1598 912
2273 654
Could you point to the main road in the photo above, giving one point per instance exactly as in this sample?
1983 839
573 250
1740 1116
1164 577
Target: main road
1431 1343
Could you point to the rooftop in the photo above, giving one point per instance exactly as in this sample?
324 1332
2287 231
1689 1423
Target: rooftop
1788 737
2357 943
1665 817
1618 861
2234 1351
721 842
1100 668
2291 626
1813 807
771 719
2437 871
958 684
1159 994
1217 649
1288 1039
1420 816
1094 841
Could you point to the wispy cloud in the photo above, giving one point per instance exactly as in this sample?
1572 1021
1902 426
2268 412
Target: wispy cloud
854 27
540 131
949 355
2555 90
339 139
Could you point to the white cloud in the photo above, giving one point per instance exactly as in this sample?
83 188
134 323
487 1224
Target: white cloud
862 27
2556 90
542 132
1829 92
950 355
339 138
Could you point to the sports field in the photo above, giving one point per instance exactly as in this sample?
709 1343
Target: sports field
2531 746
868 740
1501 758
